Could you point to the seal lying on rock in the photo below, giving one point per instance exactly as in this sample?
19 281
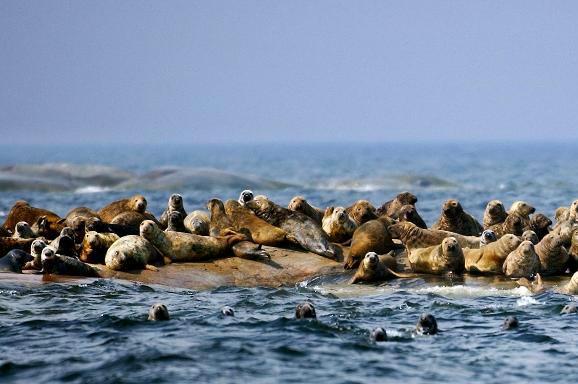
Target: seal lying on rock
338 225
414 237
76 219
490 258
64 244
522 262
23 231
97 225
299 228
132 253
391 208
553 256
197 222
455 219
438 259
244 220
495 213
95 245
183 247
132 218
14 261
299 204
372 236
246 195
175 204
53 263
373 269
361 211
488 236
8 243
136 203
22 211
36 252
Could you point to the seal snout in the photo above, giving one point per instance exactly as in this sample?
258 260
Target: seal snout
246 196
378 334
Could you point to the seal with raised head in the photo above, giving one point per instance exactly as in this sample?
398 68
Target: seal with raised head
36 252
23 231
455 219
375 269
300 228
299 204
338 225
488 236
513 225
23 211
184 247
510 322
261 231
95 245
571 288
246 195
14 261
53 263
426 325
438 259
490 258
361 212
524 210
414 237
76 219
495 213
175 204
540 224
221 225
64 244
378 334
176 222
158 312
522 262
372 236
553 256
391 208
409 213
132 253
530 236
197 222
136 203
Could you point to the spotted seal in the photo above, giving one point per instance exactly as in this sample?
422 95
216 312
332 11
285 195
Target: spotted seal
522 262
132 253
338 225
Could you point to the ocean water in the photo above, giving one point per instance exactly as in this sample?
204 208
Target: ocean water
96 330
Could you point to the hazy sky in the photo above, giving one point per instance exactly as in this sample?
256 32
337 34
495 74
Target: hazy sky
245 71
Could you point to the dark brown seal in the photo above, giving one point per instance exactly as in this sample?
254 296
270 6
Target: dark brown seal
361 211
136 203
175 204
455 219
414 237
391 208
513 225
53 263
372 236
8 243
540 224
553 256
22 211
409 213
495 213
97 225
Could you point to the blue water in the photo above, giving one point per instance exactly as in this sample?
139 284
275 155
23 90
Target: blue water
96 331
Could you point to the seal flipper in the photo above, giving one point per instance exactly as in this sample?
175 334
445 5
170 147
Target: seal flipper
401 274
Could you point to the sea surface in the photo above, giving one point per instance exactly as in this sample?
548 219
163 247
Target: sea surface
96 331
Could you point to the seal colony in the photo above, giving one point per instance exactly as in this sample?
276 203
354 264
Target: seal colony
379 244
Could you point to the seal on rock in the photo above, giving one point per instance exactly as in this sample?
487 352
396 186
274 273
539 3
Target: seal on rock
176 222
490 258
455 219
95 245
495 213
299 204
391 208
553 256
184 247
8 243
36 252
522 262
524 210
540 224
23 211
136 203
571 288
131 253
361 211
175 204
246 195
261 231
133 219
409 213
299 228
22 230
438 259
338 225
530 236
373 269
488 236
97 225
372 236
197 223
414 237
513 225
14 261
76 219
53 263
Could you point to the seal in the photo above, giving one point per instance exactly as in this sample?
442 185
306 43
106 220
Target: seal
299 204
95 245
227 311
495 213
8 243
391 208
378 334
246 195
414 237
571 288
534 286
183 247
524 210
305 310
371 236
438 259
573 252
510 322
522 262
374 269
36 252
361 211
553 256
561 214
158 312
540 224
338 225
176 222
490 258
569 308
488 236
530 236
513 225
23 211
261 232
132 253
409 213
136 203
97 225
22 230
64 244
197 222
455 219
14 261
175 204
221 225
300 228
55 264
132 218
426 325
76 219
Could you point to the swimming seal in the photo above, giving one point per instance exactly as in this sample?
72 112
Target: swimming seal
522 262
299 228
426 325
510 322
305 310
227 311
455 219
490 258
338 225
378 334
299 204
158 312
438 259
136 203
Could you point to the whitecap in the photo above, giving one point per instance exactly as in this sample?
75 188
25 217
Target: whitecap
91 189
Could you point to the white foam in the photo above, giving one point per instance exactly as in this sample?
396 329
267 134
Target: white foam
91 189
527 300
458 291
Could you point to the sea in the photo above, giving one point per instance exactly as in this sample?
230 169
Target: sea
96 331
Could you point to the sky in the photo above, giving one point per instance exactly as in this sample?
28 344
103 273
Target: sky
287 71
